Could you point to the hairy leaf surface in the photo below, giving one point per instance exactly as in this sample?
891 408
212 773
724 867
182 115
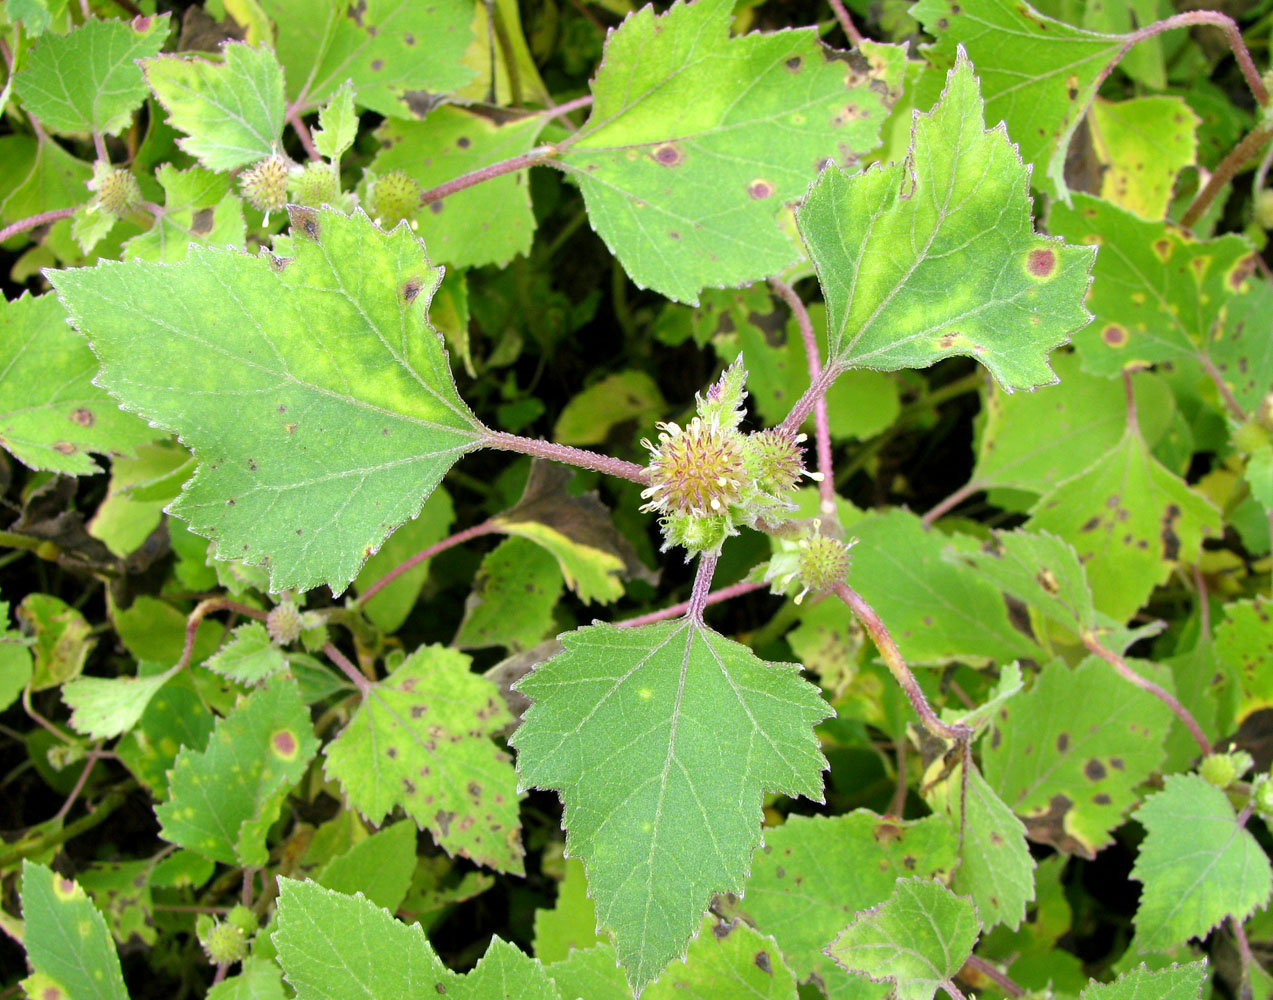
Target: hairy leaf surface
662 740
66 940
314 394
1177 982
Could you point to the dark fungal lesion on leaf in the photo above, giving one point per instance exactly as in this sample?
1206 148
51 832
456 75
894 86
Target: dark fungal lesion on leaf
304 221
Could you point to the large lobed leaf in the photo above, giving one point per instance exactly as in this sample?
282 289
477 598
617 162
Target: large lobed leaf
938 256
662 741
312 391
697 141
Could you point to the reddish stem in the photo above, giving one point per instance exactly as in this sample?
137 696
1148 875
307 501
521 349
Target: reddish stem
1238 157
702 586
822 424
892 657
536 157
485 528
1120 666
347 668
564 453
1230 400
953 501
201 611
676 610
569 106
22 225
302 132
1001 979
806 403
846 22
79 785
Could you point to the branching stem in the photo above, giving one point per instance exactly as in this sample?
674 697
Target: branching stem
892 656
567 455
806 403
347 668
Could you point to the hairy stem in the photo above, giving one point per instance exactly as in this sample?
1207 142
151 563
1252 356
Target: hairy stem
201 611
536 157
1093 643
846 22
22 225
347 668
806 403
565 109
702 586
567 455
302 132
951 990
1238 157
826 487
676 610
93 756
1001 979
892 657
953 501
485 528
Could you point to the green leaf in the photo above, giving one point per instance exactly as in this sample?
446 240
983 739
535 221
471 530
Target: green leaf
379 866
1040 569
514 593
662 740
422 740
697 140
337 123
122 891
936 610
592 414
1243 349
176 717
198 208
1036 440
916 940
1197 864
995 868
1178 982
401 56
140 488
1157 292
391 605
1073 775
1130 519
67 943
102 708
15 660
223 800
1259 476
593 556
1244 645
814 872
333 947
330 412
88 80
937 256
1039 75
1143 144
249 657
231 111
51 414
61 639
571 925
489 224
259 978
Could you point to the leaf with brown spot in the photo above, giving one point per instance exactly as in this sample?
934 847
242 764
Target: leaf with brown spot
703 135
428 763
1055 786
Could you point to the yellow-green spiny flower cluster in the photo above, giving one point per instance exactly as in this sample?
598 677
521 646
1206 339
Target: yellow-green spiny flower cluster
708 477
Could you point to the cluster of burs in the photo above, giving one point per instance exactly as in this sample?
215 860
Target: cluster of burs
709 477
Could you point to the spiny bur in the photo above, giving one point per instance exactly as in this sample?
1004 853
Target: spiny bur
265 183
223 943
117 190
317 185
394 197
284 623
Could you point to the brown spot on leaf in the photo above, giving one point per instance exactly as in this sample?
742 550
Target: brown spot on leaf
83 416
444 818
669 154
1114 336
1041 263
1048 581
721 931
464 142
1062 742
794 64
436 206
201 223
284 743
1170 540
1094 770
887 833
1163 249
65 448
304 220
356 12
763 963
1049 828
410 290
377 65
1101 799
760 188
